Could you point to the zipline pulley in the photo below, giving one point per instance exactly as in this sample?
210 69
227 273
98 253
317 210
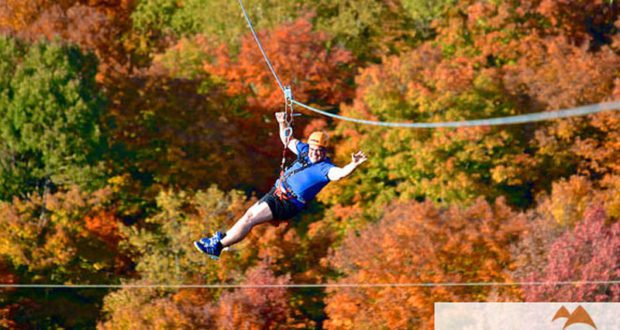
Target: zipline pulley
288 131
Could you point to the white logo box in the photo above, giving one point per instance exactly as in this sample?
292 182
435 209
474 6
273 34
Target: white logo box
527 316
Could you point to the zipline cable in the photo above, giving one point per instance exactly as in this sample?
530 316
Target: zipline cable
288 286
273 71
288 104
519 119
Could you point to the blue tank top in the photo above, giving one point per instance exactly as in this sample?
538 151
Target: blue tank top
308 182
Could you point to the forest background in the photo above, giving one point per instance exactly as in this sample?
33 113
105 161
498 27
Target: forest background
131 128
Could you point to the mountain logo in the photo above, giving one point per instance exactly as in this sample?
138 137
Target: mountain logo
579 315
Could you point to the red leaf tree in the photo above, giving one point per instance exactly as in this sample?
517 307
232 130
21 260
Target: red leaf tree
589 252
256 308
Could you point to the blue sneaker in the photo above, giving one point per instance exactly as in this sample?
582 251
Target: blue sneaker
211 246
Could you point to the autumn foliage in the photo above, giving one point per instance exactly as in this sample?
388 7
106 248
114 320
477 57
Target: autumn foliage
587 253
317 74
61 238
420 243
256 308
131 128
93 25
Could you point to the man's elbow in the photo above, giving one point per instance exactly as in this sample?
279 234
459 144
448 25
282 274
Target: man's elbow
334 176
337 175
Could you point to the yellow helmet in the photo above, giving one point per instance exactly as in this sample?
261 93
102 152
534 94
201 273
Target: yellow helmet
318 139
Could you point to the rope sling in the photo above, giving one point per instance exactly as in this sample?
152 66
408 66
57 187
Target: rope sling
282 189
289 112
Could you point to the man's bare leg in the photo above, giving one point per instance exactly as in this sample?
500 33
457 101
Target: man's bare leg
255 215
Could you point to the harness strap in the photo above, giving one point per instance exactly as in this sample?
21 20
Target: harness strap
304 164
283 191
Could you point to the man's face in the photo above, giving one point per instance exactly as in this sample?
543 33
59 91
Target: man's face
316 154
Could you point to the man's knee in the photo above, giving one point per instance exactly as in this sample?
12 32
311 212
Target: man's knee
250 216
258 213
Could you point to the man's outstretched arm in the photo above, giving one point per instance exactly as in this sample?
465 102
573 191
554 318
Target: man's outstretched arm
283 126
337 173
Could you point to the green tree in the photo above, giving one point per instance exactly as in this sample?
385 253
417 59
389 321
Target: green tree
444 165
51 108
489 59
373 29
370 29
156 20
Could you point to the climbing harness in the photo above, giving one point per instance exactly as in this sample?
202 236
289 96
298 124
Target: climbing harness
283 191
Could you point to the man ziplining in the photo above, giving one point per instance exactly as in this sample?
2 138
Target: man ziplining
298 185
312 171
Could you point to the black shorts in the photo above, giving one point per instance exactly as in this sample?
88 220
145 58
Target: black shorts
281 209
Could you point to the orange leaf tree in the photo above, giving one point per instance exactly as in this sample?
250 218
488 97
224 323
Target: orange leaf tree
317 73
419 243
96 26
62 238
165 257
